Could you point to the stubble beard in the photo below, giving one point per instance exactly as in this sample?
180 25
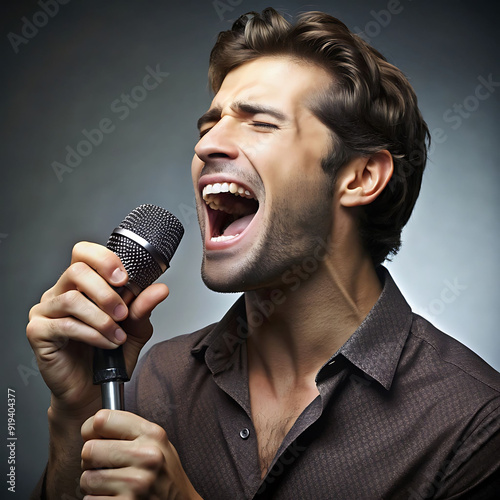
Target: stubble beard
285 242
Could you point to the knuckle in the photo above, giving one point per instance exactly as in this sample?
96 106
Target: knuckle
32 313
140 481
91 480
101 418
78 248
58 325
47 294
156 433
68 299
32 329
107 299
152 457
76 270
106 324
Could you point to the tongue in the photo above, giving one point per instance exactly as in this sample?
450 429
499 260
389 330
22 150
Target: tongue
238 226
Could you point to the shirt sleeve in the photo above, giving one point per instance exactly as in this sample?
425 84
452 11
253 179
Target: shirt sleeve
473 470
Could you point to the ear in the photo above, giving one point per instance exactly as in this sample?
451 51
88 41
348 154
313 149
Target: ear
363 179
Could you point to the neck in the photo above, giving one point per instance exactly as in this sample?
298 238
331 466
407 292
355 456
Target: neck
295 329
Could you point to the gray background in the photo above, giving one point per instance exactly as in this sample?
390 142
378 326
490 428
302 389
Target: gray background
65 79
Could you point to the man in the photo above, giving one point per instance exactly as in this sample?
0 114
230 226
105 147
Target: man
320 382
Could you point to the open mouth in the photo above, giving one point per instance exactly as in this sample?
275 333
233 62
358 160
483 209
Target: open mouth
231 208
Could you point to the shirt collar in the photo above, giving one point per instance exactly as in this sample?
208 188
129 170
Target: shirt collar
375 347
220 346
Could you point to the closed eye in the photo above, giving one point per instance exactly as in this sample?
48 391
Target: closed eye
265 125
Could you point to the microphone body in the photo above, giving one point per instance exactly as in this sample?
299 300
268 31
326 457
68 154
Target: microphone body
145 241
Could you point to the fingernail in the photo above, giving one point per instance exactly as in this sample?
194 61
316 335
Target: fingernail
120 335
120 311
118 275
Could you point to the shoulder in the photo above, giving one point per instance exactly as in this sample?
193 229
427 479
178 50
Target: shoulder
168 368
441 353
454 398
179 346
171 357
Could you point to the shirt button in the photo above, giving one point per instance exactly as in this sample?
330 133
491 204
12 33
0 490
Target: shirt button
244 433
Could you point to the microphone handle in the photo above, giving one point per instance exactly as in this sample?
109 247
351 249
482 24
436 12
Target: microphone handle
110 372
109 368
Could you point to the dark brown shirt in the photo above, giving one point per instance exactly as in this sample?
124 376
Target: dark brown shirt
404 412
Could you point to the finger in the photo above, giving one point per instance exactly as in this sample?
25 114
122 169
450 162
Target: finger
117 424
81 277
71 306
115 482
147 300
137 323
102 259
114 454
54 334
97 257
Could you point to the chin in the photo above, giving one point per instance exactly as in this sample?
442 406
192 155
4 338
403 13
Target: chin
222 286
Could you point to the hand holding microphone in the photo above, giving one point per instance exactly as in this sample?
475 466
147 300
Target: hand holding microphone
83 310
145 242
89 309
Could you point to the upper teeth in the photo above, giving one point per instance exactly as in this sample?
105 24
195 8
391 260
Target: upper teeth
226 187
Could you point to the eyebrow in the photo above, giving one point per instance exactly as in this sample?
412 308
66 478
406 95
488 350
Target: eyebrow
214 114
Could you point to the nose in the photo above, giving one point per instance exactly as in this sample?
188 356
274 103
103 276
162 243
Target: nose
218 142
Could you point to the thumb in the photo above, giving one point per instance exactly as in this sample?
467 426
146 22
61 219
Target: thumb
141 308
137 324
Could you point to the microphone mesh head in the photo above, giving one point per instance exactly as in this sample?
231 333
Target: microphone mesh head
160 229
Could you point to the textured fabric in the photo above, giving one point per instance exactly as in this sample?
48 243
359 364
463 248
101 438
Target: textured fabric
404 412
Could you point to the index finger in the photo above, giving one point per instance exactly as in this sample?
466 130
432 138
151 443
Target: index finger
102 259
118 424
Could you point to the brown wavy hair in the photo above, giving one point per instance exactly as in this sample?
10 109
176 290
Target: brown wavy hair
370 106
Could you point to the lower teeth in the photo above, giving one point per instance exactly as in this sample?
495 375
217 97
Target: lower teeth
223 238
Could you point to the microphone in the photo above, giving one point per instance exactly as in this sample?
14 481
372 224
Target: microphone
145 241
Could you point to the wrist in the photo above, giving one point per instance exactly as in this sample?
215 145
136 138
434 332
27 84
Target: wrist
62 416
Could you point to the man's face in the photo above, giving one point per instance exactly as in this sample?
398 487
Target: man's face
262 196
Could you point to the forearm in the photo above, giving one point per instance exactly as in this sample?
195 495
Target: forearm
64 465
